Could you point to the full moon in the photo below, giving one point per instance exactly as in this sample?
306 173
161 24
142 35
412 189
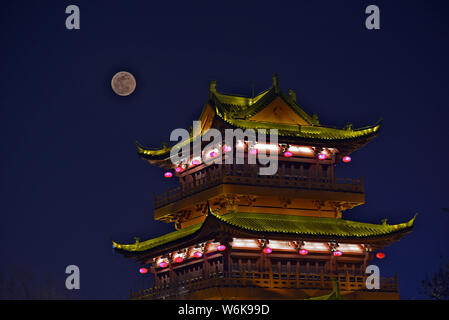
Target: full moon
123 83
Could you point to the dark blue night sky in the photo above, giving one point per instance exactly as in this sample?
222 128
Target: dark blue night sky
70 176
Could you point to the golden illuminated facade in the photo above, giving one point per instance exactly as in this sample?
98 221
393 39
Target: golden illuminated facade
243 235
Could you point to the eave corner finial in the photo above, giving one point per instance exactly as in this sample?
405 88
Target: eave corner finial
140 149
412 220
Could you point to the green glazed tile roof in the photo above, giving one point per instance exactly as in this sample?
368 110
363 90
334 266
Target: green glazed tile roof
234 107
313 226
156 242
283 224
307 132
236 111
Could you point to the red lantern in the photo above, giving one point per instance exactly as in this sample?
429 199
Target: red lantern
195 162
267 250
179 169
303 252
380 255
179 259
213 154
197 254
346 159
163 264
337 253
143 270
168 174
288 154
221 247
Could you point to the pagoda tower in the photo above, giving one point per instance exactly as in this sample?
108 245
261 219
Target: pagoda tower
243 235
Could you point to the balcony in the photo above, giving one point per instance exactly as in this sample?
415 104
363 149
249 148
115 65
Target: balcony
227 174
347 283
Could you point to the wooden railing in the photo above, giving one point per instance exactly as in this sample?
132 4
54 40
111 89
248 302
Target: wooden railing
232 175
347 282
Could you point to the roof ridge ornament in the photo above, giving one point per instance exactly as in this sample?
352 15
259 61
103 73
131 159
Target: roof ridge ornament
292 94
212 89
276 82
213 86
208 209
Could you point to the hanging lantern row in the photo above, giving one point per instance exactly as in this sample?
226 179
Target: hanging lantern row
197 254
304 252
254 150
266 250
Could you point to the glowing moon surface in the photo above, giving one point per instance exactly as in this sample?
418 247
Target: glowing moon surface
123 83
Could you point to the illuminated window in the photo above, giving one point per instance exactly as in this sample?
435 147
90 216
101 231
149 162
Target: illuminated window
300 149
280 245
315 246
349 247
244 243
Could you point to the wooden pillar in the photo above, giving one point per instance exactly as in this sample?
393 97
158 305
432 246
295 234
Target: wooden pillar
227 260
172 273
332 264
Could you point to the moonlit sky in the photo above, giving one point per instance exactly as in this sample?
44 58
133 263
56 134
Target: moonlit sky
70 176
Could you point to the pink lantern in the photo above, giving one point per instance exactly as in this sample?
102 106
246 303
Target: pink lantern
195 162
267 250
221 247
337 253
163 264
253 151
288 154
197 254
179 259
346 159
143 270
321 156
168 174
213 154
179 169
303 252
